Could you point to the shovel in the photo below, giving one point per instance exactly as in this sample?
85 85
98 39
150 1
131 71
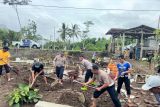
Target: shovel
10 67
82 84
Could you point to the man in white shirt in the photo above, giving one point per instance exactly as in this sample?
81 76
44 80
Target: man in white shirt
106 84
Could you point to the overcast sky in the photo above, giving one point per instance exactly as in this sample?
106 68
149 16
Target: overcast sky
48 17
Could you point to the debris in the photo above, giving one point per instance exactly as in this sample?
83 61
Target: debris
48 104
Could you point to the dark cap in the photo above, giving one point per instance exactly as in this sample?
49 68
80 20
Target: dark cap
6 48
95 67
121 56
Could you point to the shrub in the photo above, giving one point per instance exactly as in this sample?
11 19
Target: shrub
23 94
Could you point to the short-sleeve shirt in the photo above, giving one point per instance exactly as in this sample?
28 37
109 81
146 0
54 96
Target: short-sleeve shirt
37 67
4 56
60 61
103 78
123 67
86 64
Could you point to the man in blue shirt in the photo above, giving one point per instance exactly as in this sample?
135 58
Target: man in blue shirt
124 68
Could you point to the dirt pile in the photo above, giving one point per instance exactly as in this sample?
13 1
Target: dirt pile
70 98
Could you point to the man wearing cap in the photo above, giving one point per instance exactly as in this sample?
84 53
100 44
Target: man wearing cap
106 83
59 63
38 69
4 61
153 85
124 69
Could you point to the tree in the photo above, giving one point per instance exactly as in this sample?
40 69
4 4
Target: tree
63 33
30 31
74 31
86 31
7 35
88 24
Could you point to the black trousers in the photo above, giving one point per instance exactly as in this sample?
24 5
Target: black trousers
88 75
59 72
112 92
6 68
126 81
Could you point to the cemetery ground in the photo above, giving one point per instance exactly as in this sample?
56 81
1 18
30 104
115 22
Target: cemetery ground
70 93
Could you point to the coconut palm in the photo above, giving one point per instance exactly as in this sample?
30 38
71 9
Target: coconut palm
63 33
74 31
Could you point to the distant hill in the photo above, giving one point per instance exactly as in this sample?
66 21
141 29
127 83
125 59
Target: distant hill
2 26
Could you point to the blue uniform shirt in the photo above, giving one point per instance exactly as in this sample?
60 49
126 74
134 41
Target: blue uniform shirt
123 67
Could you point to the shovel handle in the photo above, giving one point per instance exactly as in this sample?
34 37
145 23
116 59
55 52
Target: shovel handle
82 84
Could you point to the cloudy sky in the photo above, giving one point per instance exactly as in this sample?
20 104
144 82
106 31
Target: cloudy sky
48 17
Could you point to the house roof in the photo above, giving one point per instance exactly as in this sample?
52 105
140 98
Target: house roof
135 32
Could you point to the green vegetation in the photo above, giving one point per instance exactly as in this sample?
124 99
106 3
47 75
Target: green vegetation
71 37
30 31
9 35
23 94
91 44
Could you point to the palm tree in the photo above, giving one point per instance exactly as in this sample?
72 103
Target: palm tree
63 33
74 31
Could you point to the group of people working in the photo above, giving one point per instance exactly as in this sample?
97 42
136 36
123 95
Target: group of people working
105 79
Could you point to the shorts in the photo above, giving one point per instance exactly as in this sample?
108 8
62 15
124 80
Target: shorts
7 68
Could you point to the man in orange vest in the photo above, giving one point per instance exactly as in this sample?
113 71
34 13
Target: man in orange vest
4 61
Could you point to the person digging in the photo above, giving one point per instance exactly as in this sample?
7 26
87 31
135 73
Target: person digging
106 84
88 67
4 62
37 69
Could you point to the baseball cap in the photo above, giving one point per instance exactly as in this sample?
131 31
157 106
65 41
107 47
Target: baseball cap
151 82
94 66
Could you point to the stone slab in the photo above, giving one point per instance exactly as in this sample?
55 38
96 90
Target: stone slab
48 104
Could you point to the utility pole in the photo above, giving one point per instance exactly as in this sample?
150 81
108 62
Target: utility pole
15 4
157 39
158 22
54 38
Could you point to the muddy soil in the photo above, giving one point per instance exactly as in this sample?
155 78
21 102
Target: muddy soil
66 94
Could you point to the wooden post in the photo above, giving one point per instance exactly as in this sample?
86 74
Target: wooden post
113 45
141 53
123 41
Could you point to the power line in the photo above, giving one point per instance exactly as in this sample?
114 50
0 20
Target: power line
78 8
18 17
88 8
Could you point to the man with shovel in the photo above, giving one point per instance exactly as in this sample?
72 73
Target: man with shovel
106 83
37 69
88 67
4 61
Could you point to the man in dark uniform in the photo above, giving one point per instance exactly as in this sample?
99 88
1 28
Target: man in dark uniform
37 69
